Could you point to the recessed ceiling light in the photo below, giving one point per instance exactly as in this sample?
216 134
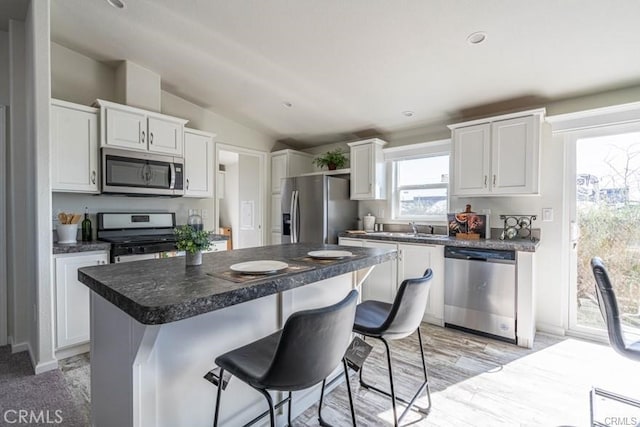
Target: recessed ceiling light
408 113
477 37
287 104
118 4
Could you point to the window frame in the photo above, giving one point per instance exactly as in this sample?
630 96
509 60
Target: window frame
396 190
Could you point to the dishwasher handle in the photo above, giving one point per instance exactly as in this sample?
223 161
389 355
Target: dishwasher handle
480 255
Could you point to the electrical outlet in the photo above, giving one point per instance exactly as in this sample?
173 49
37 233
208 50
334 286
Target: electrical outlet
547 214
205 213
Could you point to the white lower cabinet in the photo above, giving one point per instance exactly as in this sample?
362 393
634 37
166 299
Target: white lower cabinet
382 283
217 246
413 259
72 297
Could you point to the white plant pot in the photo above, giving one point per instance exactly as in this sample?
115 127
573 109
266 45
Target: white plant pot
67 233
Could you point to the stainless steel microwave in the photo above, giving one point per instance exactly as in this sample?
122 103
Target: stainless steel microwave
141 174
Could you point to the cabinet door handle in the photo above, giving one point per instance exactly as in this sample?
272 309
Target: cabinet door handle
93 177
150 137
494 179
485 181
143 136
187 183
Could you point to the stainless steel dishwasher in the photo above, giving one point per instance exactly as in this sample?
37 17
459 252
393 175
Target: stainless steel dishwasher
480 291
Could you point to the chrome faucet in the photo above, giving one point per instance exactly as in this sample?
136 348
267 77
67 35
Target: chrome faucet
414 227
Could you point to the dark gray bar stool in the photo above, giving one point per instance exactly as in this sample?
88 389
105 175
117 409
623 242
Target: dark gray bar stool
395 321
611 314
302 354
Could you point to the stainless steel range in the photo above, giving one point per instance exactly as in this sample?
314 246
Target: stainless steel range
136 235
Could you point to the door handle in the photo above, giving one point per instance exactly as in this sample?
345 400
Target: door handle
294 217
485 181
143 136
93 177
150 137
187 183
494 179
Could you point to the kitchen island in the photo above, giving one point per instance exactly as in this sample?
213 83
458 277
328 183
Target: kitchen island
157 326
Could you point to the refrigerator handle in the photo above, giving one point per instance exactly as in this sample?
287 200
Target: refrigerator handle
294 216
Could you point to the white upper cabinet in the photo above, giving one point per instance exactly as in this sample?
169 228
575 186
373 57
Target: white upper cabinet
165 135
136 129
497 156
288 163
198 164
74 148
368 177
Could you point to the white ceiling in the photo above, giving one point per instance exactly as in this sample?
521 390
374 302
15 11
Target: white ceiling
12 9
351 65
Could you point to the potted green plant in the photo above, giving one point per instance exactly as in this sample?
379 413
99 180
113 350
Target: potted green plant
334 159
193 242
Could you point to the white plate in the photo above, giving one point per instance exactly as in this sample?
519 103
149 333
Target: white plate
329 254
259 267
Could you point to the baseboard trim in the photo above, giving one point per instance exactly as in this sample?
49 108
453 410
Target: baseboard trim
19 348
550 329
46 366
72 351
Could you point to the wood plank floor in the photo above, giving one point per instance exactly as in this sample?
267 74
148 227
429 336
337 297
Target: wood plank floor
477 381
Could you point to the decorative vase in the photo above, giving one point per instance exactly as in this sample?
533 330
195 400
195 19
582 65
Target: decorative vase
194 259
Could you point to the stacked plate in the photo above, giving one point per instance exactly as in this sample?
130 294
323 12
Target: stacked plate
259 267
329 254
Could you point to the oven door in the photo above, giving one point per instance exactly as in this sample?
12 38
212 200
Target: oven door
128 172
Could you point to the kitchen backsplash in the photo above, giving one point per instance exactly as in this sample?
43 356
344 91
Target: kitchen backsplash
70 202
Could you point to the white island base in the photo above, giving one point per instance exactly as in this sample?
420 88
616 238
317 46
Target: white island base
152 375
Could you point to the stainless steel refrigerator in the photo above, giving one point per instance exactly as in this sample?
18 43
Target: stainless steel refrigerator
316 208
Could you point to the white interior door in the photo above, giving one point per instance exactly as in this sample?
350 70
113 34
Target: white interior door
603 194
244 206
3 234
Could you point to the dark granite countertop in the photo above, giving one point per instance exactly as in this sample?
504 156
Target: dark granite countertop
70 248
522 245
97 245
160 291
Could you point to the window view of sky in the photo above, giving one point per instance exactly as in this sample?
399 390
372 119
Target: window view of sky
614 160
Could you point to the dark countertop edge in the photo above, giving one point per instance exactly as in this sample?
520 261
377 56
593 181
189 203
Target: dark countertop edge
79 247
99 245
523 245
158 315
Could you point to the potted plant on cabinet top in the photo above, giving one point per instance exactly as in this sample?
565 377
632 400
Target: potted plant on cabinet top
334 159
193 242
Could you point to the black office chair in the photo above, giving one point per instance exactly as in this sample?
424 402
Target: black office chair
386 321
609 309
302 354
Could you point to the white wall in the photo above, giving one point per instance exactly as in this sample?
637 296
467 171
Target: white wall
77 78
227 131
4 68
19 170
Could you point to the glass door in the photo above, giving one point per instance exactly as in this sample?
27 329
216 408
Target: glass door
605 213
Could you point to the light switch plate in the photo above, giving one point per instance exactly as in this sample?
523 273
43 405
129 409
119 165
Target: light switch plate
547 214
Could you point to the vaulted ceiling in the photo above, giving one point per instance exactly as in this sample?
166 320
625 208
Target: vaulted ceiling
315 70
